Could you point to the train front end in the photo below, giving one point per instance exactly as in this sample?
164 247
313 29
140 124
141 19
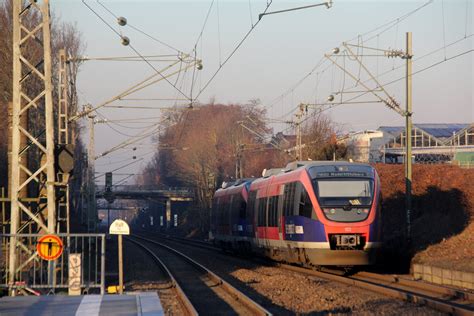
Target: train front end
347 200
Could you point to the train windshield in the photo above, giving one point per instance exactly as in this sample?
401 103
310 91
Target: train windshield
344 192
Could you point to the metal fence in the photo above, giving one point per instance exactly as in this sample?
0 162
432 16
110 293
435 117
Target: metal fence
80 268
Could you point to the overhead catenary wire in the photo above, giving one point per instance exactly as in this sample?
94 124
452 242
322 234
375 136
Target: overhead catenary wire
380 74
123 180
401 78
140 30
219 32
128 58
250 13
135 50
232 53
204 24
467 17
150 80
109 163
416 59
121 167
330 106
389 25
132 140
384 28
444 27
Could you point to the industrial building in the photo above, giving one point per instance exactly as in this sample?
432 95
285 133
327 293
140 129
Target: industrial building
431 143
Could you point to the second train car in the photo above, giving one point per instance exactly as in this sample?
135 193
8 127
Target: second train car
313 213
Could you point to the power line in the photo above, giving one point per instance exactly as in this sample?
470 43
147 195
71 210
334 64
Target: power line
136 51
328 4
219 32
233 52
140 30
204 24
132 140
399 79
121 167
123 180
431 66
385 27
383 73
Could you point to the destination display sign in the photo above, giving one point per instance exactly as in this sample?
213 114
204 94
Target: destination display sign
342 174
343 171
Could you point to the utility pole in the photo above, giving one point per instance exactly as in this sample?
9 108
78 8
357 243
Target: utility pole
24 72
91 167
408 130
299 145
238 162
391 103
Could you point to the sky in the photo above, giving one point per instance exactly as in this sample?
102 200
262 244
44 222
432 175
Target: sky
280 50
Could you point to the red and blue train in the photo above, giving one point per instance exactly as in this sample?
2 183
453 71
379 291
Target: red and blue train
322 213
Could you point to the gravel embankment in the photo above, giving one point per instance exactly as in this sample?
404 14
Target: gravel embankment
289 293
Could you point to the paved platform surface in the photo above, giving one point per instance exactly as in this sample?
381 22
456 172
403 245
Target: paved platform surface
141 303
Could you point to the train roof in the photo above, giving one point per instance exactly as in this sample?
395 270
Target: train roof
308 164
234 186
304 165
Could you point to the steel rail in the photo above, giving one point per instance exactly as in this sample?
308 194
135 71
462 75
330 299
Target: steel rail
391 285
240 297
408 281
408 292
185 302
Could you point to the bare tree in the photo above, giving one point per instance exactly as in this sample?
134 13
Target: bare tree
319 139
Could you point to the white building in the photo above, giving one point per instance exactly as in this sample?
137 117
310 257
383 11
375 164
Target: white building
431 143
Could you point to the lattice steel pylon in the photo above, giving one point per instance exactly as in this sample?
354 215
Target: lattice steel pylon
32 91
63 145
63 134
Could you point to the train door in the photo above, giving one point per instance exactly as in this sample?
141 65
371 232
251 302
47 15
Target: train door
250 214
256 217
281 225
213 225
264 221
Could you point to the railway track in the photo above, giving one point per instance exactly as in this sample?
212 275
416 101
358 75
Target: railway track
206 292
183 299
444 299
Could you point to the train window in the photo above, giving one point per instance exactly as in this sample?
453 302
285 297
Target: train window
289 199
215 205
262 203
270 207
273 211
251 206
281 199
243 206
236 209
306 207
262 214
270 211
